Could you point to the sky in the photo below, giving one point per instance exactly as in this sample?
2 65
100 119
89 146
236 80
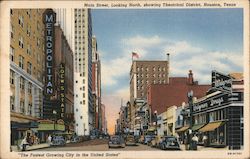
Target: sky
201 40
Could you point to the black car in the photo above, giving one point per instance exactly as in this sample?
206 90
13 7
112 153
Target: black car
116 141
58 141
169 143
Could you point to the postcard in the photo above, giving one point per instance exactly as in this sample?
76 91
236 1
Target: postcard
124 79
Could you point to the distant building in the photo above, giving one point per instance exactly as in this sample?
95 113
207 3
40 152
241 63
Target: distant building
162 96
142 75
96 84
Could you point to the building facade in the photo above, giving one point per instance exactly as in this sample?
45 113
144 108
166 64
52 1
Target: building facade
162 96
219 114
96 84
82 48
142 75
26 70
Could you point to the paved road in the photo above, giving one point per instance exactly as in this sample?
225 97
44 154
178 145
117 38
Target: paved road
97 145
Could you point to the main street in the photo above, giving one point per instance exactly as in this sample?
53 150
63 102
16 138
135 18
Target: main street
97 145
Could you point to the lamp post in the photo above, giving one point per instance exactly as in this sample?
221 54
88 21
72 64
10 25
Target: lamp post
155 114
54 113
190 102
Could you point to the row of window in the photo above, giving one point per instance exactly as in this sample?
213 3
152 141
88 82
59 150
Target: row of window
153 68
154 82
22 82
22 107
153 75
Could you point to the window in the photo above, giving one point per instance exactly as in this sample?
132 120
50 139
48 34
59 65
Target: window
76 95
80 117
28 30
20 42
30 109
29 68
38 42
21 61
11 31
80 102
12 103
83 95
22 83
29 88
12 53
22 106
20 20
83 101
28 50
12 74
11 11
76 81
76 110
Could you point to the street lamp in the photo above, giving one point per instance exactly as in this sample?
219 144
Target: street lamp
190 102
54 113
155 114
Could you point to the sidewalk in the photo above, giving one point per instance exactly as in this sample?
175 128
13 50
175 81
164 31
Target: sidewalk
202 148
29 148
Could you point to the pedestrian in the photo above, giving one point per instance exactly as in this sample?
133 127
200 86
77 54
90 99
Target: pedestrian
194 142
49 139
205 141
24 143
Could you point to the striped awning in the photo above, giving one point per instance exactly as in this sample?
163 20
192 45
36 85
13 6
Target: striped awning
211 126
184 128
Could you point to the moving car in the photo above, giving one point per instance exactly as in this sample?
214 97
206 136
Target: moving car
116 141
169 143
58 141
148 138
130 140
156 141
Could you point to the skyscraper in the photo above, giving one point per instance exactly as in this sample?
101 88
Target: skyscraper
82 46
96 83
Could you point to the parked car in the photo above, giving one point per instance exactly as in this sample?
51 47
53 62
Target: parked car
169 143
148 138
116 141
58 141
92 137
130 140
155 142
75 139
141 139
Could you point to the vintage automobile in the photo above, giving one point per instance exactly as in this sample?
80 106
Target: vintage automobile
156 141
130 140
58 141
116 141
147 139
169 143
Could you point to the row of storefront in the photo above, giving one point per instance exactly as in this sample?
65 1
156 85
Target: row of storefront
216 119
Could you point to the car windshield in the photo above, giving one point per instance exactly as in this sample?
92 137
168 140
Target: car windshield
171 139
115 138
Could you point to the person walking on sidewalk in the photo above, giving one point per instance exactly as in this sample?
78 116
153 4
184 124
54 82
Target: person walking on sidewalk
24 143
49 139
194 142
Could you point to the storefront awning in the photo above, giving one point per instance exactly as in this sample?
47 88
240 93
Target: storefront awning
197 127
152 128
184 128
211 126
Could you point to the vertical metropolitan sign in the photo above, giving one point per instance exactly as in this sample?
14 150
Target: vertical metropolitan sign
62 89
49 19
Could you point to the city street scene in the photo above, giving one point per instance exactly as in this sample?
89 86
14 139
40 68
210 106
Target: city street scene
126 79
